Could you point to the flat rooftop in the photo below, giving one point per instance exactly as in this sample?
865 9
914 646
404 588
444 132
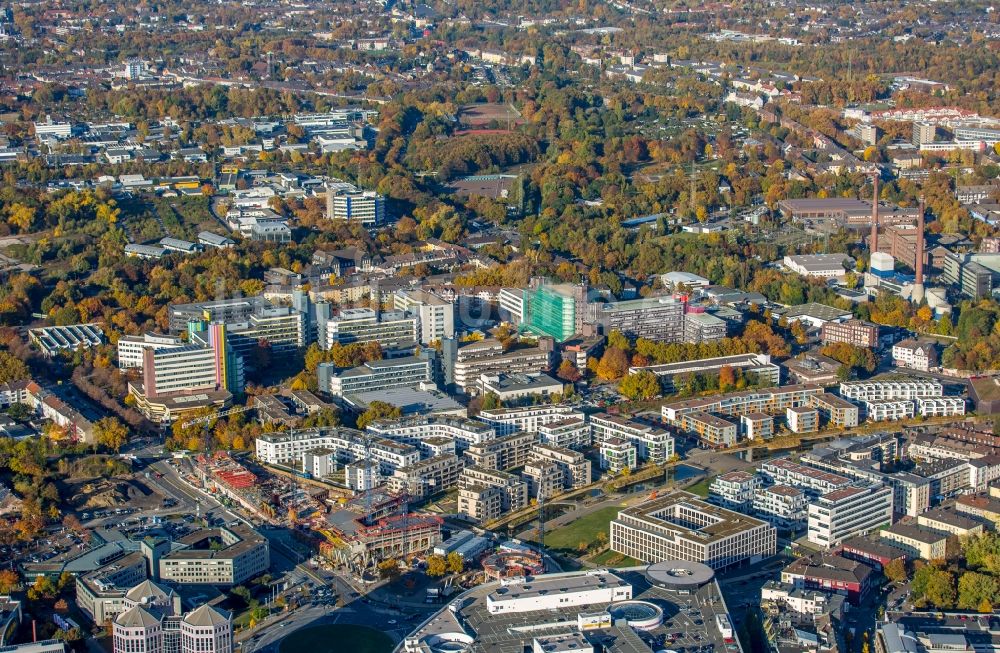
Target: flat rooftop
723 523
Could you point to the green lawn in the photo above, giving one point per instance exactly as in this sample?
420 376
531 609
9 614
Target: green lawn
611 559
700 488
336 638
567 538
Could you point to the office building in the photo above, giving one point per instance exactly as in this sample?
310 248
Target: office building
680 526
376 375
239 553
844 513
822 266
653 318
251 321
555 310
854 332
703 327
436 315
917 541
352 205
831 573
467 364
150 627
923 133
972 279
558 593
131 348
392 330
652 444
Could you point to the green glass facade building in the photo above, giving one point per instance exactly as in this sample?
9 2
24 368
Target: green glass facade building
552 311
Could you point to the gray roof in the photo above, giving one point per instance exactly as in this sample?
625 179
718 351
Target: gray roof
137 617
206 615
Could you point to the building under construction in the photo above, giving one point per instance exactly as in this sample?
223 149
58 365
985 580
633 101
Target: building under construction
376 527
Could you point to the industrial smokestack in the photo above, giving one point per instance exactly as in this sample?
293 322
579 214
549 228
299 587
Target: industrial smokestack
874 239
918 282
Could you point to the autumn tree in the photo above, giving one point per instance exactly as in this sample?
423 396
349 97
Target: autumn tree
9 581
436 566
456 563
567 372
111 433
641 386
613 364
895 570
378 410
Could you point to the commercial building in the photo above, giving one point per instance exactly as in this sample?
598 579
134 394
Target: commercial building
53 340
951 522
823 266
844 513
489 493
783 506
854 332
558 593
243 555
679 526
972 279
831 573
392 330
735 490
405 372
436 315
152 626
652 443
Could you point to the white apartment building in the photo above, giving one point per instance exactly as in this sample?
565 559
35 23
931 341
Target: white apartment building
783 506
680 526
940 406
802 419
812 480
885 411
544 478
130 348
512 492
349 445
890 390
437 315
362 477
914 355
529 419
735 490
766 400
571 433
557 592
503 452
840 515
405 372
426 477
391 329
652 443
574 468
617 455
412 430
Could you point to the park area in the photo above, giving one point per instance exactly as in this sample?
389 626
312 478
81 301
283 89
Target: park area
483 116
586 530
336 638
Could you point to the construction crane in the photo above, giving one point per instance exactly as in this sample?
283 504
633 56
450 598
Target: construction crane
209 418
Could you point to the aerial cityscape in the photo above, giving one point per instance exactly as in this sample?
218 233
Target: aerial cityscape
426 326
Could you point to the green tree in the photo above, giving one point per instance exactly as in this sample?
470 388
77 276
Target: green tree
436 566
491 401
895 571
641 386
456 563
378 410
111 433
12 368
388 569
975 588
